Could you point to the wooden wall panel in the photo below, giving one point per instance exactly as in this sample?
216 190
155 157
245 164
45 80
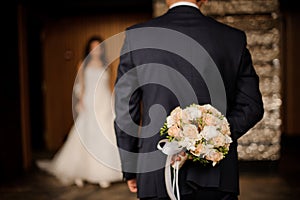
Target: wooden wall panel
292 72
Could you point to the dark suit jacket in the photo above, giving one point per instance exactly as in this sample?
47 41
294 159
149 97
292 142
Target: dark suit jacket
142 73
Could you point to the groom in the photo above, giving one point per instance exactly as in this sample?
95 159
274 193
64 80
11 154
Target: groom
177 59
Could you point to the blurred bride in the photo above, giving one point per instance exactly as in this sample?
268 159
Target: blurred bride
89 153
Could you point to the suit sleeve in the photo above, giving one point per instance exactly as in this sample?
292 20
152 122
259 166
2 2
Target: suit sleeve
127 109
247 108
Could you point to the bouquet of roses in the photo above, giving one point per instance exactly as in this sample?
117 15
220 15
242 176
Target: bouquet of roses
200 130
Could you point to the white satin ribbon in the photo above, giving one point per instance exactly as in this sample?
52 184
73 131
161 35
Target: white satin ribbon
171 149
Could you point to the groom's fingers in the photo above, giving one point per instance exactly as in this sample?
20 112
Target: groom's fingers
182 153
132 185
178 157
175 158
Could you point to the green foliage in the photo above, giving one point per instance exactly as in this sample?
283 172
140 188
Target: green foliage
164 129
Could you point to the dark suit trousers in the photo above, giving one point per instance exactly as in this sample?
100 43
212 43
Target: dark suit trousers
203 195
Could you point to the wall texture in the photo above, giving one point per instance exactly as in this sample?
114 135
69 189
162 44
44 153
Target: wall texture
261 21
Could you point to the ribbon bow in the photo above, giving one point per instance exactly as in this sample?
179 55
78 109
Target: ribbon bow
170 149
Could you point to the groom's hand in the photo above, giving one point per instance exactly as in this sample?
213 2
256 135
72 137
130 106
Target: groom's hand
179 157
132 185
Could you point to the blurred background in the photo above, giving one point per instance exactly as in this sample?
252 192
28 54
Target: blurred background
43 42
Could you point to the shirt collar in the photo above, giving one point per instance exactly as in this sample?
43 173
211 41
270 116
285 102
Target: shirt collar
183 3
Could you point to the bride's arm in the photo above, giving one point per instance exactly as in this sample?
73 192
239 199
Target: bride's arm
79 87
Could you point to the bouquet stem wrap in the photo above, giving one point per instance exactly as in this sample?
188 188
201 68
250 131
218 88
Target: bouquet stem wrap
171 149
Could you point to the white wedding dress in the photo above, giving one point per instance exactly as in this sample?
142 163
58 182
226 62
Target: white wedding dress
90 152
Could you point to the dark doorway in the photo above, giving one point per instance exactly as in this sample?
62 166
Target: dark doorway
35 77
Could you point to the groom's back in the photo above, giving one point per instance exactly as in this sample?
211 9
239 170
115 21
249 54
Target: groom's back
178 41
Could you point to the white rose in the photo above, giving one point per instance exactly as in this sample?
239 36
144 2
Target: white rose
209 132
170 121
192 113
188 144
228 139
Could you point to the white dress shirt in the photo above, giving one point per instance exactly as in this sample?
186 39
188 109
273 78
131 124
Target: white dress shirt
183 3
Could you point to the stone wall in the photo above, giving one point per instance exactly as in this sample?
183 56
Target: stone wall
260 19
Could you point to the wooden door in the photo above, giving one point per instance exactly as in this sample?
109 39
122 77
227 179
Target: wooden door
63 47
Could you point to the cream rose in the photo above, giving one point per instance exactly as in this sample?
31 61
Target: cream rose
176 116
174 131
199 150
224 127
214 156
211 109
210 120
219 140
